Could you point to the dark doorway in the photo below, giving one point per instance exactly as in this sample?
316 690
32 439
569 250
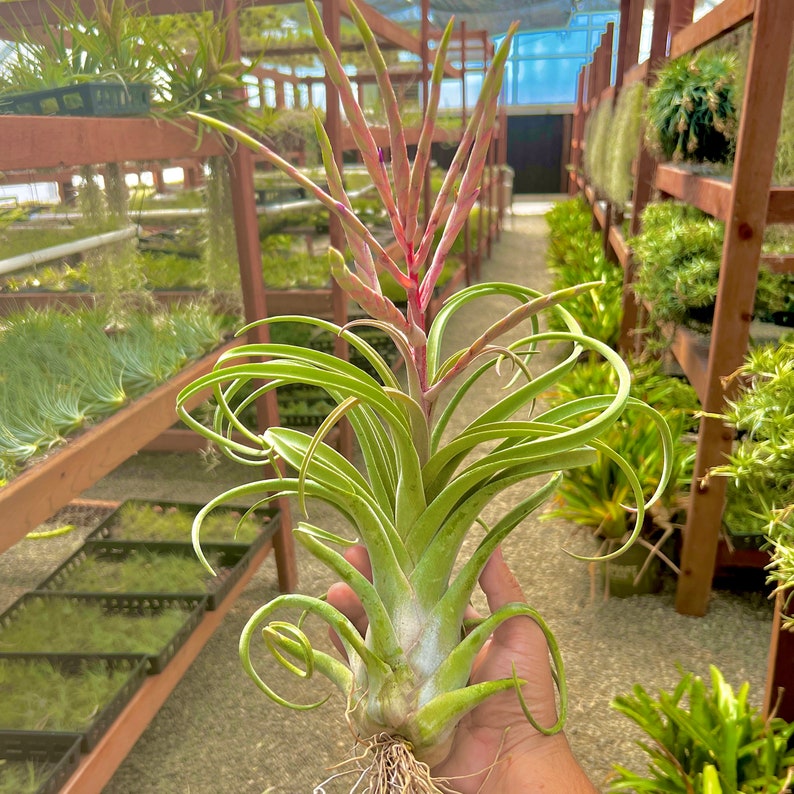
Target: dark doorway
534 152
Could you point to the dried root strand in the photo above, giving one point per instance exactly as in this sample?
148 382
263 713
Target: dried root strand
386 765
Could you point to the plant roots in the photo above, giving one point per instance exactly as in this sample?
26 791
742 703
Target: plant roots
386 765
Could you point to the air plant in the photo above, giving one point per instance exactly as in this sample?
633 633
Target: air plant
424 482
691 114
39 695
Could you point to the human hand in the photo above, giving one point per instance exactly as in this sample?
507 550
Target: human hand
495 749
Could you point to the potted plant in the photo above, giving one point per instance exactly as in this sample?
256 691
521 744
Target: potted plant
702 741
419 494
598 496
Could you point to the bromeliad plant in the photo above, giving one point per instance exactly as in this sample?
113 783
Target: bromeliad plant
702 741
426 479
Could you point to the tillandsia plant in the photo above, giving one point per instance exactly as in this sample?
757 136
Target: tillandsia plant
424 481
690 114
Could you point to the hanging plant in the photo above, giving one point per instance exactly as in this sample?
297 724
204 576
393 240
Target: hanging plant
597 141
691 111
624 136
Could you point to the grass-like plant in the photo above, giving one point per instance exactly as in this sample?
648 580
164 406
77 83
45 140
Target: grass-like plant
38 695
24 777
575 255
705 741
425 479
55 624
678 253
138 571
137 521
64 370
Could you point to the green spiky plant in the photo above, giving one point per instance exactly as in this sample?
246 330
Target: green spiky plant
761 484
702 741
691 113
424 482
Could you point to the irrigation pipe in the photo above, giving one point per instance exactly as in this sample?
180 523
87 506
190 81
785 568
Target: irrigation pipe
65 249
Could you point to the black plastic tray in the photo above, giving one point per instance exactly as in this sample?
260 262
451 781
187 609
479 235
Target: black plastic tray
72 663
62 750
233 559
133 606
268 516
97 98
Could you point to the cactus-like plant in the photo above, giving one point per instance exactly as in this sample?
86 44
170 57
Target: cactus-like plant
424 483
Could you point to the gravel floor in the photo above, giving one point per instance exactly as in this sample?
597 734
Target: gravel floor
217 735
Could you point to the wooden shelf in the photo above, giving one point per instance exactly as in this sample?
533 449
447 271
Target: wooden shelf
712 194
54 141
746 204
692 353
708 193
619 245
723 18
778 263
44 488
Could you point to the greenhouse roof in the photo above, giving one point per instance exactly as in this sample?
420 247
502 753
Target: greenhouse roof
494 16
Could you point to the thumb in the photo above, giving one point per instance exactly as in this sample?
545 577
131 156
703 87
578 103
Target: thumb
498 582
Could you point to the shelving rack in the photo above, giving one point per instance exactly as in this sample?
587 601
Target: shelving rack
746 202
59 144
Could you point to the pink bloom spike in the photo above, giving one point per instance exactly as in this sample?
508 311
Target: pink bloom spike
358 124
399 150
426 135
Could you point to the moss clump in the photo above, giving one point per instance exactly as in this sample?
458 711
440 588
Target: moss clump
691 110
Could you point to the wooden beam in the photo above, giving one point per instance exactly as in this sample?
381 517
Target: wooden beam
710 194
721 19
57 141
779 695
713 194
26 14
249 254
681 15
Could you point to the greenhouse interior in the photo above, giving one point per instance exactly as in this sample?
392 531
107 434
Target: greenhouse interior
419 479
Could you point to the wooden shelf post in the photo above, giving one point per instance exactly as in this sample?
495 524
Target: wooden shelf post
744 232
